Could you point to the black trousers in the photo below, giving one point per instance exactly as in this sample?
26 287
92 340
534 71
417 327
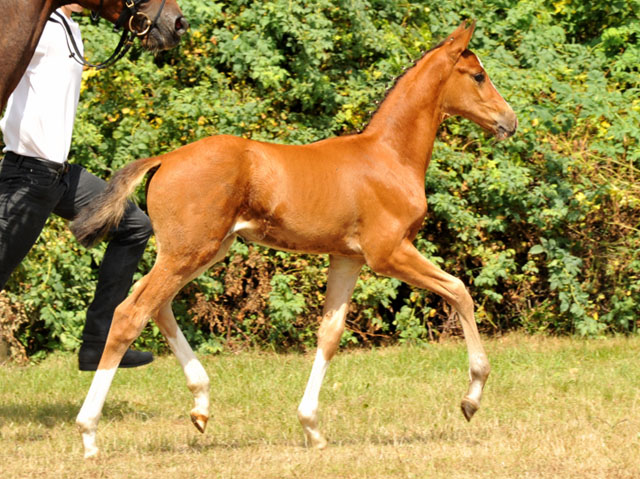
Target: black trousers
32 189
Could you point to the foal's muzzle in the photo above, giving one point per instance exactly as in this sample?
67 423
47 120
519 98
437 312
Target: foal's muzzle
506 125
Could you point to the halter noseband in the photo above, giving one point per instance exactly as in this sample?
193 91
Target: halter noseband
130 15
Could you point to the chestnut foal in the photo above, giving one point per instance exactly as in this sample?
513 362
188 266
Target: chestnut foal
359 198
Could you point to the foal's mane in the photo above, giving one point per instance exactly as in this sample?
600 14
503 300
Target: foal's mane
395 83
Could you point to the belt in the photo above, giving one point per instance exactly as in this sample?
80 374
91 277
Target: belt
32 162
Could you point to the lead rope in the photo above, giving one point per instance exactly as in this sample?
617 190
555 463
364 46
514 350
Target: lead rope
122 48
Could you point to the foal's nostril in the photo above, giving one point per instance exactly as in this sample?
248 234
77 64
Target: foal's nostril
182 25
508 124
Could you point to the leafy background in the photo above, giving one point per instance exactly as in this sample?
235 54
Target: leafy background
543 228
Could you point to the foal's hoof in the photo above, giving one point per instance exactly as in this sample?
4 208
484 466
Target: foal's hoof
318 442
469 408
315 440
91 453
199 421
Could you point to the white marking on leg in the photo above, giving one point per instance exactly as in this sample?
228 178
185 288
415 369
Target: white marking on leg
478 372
343 273
308 408
197 378
89 415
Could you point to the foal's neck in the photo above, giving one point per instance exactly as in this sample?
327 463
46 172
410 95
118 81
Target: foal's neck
408 118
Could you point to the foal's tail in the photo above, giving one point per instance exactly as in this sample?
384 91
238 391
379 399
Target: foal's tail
106 210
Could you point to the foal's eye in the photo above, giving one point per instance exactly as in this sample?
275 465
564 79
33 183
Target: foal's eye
479 77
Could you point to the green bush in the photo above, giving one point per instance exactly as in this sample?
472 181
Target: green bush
543 227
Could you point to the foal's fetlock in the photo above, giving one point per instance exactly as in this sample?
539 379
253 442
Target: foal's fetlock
313 437
200 389
88 440
479 368
478 374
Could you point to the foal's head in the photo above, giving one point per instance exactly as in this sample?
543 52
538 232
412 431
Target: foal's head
469 92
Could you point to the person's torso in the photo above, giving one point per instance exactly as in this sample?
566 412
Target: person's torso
40 114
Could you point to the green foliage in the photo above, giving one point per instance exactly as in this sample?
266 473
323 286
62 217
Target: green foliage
543 227
285 306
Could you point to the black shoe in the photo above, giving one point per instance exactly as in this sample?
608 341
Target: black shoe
90 354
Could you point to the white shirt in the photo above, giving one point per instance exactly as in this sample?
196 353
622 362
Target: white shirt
41 110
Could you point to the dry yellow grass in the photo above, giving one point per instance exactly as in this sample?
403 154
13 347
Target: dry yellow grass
553 408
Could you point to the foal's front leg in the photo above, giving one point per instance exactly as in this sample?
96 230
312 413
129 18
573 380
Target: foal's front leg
343 273
407 264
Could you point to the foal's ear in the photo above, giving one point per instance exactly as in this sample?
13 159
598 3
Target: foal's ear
458 41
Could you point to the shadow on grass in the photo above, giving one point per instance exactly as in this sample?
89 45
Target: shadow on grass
54 414
204 444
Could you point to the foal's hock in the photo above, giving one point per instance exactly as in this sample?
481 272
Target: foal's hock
359 198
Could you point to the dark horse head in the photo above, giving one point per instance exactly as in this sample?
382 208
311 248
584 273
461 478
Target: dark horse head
158 23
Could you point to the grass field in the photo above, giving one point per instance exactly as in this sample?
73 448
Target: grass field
553 408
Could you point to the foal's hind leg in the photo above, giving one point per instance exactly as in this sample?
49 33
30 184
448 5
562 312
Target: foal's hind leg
151 297
407 264
197 378
128 320
343 273
130 317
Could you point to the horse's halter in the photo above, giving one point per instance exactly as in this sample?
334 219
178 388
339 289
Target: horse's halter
130 16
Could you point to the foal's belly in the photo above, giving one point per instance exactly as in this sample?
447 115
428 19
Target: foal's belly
315 240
